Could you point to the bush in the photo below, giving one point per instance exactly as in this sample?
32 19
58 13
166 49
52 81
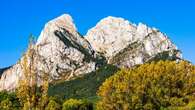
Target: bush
73 104
151 86
6 105
9 101
53 105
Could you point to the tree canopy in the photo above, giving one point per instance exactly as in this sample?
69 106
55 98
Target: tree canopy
151 86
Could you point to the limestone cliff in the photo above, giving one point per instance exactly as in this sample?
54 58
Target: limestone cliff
65 54
126 44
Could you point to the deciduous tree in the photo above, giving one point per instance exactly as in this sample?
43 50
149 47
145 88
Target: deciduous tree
151 86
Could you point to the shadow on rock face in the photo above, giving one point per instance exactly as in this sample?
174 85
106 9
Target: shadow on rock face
3 69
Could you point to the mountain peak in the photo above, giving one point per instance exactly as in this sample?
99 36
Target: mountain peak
111 21
109 32
64 21
114 36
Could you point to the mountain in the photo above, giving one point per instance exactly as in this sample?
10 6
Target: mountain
62 52
65 54
125 44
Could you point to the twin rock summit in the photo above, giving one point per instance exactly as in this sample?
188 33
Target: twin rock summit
66 54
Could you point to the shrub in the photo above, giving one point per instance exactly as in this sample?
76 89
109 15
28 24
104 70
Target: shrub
53 105
151 86
73 104
9 101
6 105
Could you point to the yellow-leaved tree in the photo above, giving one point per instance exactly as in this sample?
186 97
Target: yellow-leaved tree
151 86
33 87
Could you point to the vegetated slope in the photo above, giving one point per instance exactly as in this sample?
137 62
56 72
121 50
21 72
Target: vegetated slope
83 87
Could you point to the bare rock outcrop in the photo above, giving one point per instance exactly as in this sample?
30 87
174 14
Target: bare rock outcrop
64 49
126 44
64 54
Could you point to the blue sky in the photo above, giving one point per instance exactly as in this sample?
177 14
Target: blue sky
20 18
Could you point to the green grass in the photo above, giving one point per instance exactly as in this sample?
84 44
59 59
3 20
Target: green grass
84 87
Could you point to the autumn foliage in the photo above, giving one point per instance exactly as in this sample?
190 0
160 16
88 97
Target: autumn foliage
31 94
151 86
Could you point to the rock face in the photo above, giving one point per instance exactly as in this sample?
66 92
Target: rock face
64 53
10 78
64 49
126 44
3 69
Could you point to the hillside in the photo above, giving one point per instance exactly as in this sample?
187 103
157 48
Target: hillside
82 87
